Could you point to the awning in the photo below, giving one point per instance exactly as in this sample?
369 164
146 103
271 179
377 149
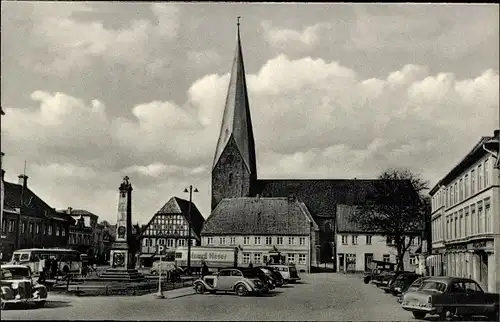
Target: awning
430 259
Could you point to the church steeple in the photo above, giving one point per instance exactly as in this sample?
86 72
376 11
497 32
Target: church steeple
236 121
235 151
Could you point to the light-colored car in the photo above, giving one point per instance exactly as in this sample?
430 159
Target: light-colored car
289 273
165 267
18 286
242 281
449 297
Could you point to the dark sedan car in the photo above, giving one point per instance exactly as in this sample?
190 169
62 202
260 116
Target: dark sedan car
402 282
388 279
273 274
413 287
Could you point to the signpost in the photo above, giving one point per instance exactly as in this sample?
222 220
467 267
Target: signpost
159 295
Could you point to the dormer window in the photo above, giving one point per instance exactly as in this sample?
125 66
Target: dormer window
230 178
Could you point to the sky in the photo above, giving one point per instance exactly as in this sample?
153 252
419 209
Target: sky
96 91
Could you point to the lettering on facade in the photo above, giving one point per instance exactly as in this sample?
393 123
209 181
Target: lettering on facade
210 256
457 247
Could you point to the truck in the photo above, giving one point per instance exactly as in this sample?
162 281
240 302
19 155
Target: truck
215 257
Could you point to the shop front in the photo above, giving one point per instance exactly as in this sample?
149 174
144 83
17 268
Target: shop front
483 263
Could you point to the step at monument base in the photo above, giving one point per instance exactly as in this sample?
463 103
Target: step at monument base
116 274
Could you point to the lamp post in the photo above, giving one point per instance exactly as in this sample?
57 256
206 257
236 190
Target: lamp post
190 190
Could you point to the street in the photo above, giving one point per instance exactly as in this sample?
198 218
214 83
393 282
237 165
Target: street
324 296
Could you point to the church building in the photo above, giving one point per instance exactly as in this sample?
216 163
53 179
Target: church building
234 173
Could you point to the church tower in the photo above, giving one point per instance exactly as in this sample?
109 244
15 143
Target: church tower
234 170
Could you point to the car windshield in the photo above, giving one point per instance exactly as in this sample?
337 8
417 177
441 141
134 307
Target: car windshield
13 273
433 286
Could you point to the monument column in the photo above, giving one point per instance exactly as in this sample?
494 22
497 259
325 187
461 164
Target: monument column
121 256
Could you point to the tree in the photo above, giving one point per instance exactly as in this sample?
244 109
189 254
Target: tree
396 208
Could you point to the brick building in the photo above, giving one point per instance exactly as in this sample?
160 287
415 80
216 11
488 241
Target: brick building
234 169
29 222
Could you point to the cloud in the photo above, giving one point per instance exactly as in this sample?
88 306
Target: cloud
55 30
312 118
284 38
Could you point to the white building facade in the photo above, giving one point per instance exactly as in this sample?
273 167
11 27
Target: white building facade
356 251
465 219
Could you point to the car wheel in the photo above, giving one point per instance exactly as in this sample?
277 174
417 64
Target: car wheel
447 314
241 290
199 288
366 280
419 315
40 304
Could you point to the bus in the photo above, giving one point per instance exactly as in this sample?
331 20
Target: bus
69 260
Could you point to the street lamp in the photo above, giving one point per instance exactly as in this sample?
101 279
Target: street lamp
189 223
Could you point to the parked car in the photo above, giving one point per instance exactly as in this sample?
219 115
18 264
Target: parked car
388 279
240 280
289 273
402 282
274 274
377 267
413 287
449 297
18 286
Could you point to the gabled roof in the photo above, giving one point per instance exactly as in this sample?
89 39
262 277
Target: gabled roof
320 196
31 203
236 120
259 216
181 206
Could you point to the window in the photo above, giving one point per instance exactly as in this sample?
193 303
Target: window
479 178
302 259
246 258
467 222
23 227
291 240
344 239
257 257
472 182
413 260
455 226
269 240
486 181
455 189
291 258
461 190
50 229
487 217
181 242
302 241
480 219
11 225
30 228
354 239
246 240
471 287
368 240
57 231
63 231
279 240
473 219
257 240
230 178
232 240
222 240
4 225
210 240
389 240
386 258
466 186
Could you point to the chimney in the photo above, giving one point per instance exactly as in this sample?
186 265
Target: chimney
496 133
23 180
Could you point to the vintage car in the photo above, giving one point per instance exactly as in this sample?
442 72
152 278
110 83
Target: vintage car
289 272
449 297
413 287
18 286
240 280
387 279
274 274
402 282
377 267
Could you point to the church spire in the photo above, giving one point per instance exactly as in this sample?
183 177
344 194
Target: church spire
236 121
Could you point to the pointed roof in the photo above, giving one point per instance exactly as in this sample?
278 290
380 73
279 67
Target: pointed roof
236 121
181 206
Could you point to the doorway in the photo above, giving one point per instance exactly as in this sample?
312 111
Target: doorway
368 261
483 269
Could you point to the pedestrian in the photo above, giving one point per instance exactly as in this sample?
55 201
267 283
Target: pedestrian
204 269
250 265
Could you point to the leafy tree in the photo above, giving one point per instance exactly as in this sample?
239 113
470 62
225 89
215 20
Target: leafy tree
396 208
